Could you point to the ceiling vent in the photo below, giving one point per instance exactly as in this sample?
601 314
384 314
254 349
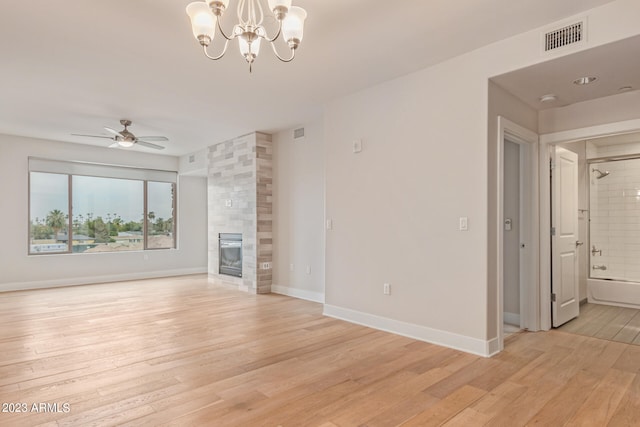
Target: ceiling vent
298 133
567 35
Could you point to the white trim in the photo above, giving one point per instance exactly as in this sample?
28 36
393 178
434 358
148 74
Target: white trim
493 347
529 262
545 237
67 167
92 280
298 293
447 339
512 318
546 142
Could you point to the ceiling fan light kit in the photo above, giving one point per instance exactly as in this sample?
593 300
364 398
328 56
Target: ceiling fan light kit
206 16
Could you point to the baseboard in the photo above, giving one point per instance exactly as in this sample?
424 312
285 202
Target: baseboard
298 293
91 280
511 318
493 347
434 336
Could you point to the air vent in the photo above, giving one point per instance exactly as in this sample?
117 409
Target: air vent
298 133
192 158
565 36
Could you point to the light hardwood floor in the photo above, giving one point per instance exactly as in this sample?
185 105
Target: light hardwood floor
608 322
185 352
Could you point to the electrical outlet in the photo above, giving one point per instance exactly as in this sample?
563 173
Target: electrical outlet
308 269
291 267
386 289
266 266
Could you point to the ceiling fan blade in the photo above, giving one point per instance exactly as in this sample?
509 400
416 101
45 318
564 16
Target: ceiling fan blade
92 136
154 138
113 131
114 145
149 145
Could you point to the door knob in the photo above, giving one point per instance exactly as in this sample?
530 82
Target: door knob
579 243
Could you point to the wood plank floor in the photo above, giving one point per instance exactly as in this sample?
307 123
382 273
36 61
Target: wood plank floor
607 322
185 352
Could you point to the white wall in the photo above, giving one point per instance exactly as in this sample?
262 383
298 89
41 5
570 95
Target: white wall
21 271
395 206
615 108
298 213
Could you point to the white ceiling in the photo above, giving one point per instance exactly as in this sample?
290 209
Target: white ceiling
75 66
614 65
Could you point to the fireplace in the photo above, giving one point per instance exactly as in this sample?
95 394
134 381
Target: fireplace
230 254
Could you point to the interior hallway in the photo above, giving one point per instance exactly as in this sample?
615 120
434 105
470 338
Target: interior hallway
607 322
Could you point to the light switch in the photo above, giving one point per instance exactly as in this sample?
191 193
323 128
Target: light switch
329 224
228 203
357 145
464 223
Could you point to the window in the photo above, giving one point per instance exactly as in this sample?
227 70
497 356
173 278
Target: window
82 207
49 212
160 215
107 214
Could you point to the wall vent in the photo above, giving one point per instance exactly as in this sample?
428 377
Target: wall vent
192 158
298 133
565 36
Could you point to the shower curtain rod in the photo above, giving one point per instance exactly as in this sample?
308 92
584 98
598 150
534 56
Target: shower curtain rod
613 158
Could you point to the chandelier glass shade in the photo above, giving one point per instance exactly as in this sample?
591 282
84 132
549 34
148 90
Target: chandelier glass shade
205 23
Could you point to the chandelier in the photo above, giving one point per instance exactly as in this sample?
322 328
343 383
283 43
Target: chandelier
206 16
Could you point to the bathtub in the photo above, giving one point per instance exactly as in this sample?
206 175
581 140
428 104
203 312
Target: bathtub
613 292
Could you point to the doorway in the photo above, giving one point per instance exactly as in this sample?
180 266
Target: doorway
548 143
517 229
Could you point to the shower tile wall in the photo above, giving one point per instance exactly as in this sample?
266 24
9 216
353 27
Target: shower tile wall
615 220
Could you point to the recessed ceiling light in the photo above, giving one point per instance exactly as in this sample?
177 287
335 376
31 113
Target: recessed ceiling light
585 80
548 98
625 89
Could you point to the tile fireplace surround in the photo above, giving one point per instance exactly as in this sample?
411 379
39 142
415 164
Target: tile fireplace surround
240 177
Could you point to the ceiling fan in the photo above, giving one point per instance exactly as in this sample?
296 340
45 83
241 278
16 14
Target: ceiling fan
126 139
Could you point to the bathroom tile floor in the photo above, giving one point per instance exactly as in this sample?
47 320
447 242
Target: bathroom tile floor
607 322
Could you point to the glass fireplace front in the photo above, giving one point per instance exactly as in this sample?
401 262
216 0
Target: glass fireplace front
230 254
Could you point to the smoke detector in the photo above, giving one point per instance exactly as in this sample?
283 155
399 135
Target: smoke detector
548 98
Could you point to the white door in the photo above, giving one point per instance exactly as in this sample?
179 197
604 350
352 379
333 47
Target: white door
565 302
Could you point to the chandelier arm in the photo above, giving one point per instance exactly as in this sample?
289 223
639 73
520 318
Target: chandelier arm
274 38
222 31
241 8
215 58
260 14
293 54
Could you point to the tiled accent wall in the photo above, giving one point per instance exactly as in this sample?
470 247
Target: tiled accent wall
615 220
239 200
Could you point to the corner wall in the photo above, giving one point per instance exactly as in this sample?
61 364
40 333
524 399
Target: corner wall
298 209
428 159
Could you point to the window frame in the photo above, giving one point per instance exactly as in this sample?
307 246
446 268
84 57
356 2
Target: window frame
57 167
